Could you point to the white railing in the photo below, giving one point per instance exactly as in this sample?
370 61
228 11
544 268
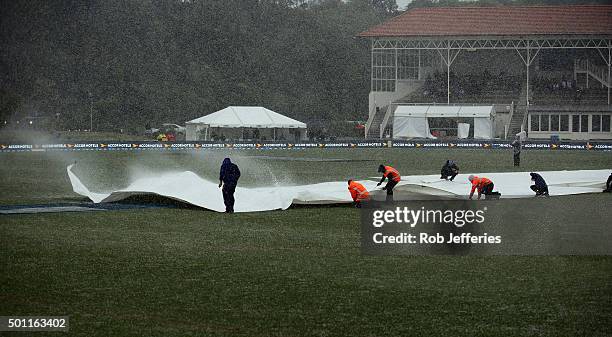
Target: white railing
385 121
507 126
597 72
369 122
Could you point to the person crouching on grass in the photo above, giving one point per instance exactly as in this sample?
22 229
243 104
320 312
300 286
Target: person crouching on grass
228 178
539 185
450 169
484 186
358 192
394 178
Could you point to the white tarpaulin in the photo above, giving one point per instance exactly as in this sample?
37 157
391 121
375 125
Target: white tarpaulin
410 121
190 188
411 127
483 128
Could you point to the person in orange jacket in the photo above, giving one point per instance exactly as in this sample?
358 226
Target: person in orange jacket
483 185
393 177
358 192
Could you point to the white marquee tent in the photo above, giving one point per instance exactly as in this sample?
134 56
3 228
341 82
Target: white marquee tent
410 121
245 122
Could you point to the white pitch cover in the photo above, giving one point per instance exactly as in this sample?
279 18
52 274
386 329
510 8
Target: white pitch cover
190 188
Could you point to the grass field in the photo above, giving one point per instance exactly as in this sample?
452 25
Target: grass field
191 272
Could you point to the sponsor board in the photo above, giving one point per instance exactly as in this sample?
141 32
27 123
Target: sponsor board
404 144
421 144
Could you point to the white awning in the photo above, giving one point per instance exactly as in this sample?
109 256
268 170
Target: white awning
442 111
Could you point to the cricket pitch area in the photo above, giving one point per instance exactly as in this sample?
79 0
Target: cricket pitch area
176 271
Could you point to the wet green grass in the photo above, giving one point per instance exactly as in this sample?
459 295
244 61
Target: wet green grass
293 273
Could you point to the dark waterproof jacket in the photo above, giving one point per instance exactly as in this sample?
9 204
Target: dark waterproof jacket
516 146
449 168
538 180
229 172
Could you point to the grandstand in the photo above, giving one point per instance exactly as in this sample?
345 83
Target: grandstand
544 69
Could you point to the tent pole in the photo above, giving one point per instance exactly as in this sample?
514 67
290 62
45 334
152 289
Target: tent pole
274 133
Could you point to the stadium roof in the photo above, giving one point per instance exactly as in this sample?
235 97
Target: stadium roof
498 20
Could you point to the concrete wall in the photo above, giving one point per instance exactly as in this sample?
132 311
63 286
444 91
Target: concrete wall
499 124
380 99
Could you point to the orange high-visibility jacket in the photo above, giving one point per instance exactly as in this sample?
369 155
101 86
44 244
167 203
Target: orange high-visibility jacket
479 183
390 171
358 191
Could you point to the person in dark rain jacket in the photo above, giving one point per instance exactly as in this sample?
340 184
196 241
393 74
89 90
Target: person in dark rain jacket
450 169
517 145
228 178
609 185
539 185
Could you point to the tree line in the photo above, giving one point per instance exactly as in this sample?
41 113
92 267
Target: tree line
144 62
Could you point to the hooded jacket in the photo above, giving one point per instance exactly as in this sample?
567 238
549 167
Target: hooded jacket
517 144
538 180
229 173
449 168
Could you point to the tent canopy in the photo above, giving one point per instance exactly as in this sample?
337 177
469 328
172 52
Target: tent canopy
410 121
442 111
247 117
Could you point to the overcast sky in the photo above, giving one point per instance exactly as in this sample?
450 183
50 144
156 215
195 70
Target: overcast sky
402 3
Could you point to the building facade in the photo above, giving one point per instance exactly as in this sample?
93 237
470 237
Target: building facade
517 56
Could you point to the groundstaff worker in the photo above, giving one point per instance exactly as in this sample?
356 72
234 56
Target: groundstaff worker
358 192
228 178
609 185
393 177
516 149
483 185
539 185
450 169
